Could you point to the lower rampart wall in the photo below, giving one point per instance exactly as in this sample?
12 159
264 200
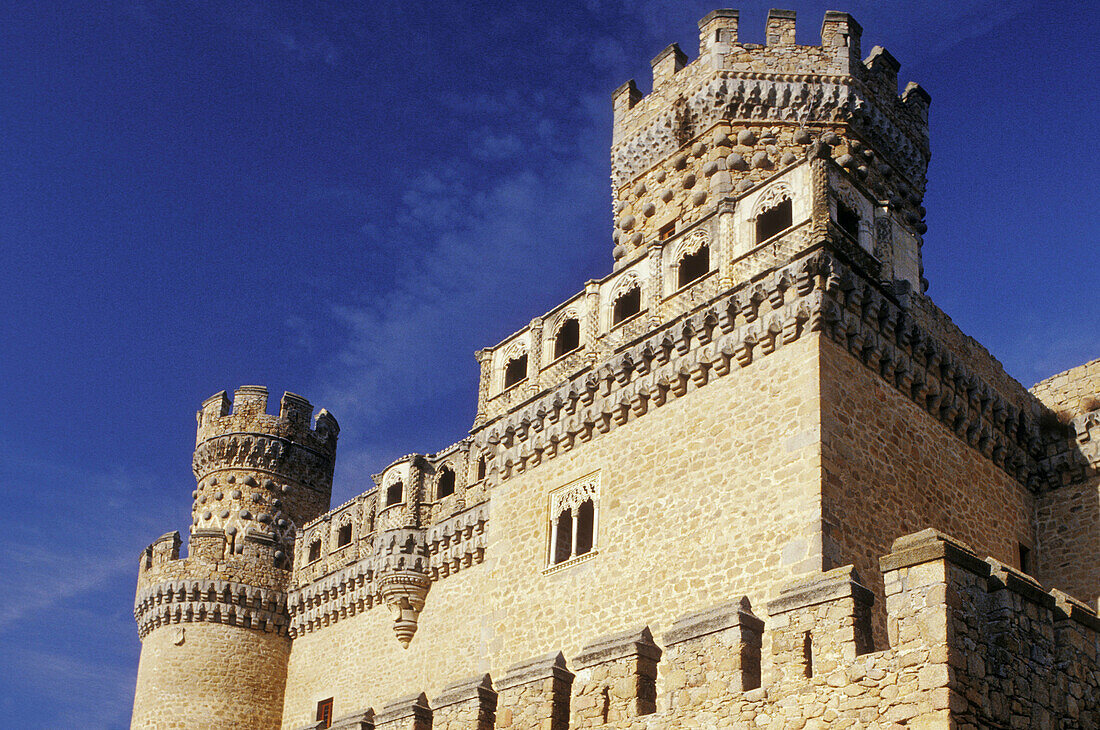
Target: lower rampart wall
974 644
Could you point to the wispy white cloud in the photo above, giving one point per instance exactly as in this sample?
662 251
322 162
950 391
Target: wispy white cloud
480 242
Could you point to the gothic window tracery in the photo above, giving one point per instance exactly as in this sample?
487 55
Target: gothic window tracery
574 511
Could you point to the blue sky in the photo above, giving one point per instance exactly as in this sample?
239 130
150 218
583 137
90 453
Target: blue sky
346 200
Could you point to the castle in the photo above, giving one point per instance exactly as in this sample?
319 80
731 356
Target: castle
752 478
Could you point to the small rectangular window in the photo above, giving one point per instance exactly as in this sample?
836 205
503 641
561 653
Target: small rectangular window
847 219
324 712
343 536
1025 559
666 231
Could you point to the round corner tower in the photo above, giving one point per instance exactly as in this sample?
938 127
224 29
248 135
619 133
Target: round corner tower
214 625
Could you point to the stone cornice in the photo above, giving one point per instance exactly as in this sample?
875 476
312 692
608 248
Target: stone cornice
202 600
818 292
452 545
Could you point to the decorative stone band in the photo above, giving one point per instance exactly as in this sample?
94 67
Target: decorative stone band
458 542
816 293
452 545
337 596
273 455
792 98
210 601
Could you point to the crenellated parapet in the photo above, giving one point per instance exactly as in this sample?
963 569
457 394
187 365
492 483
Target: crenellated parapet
259 472
972 643
724 122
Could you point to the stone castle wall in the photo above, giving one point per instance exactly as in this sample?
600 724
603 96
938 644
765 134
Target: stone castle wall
734 509
749 441
1074 391
972 643
205 675
918 474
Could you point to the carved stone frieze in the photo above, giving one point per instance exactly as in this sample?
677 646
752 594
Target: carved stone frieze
211 601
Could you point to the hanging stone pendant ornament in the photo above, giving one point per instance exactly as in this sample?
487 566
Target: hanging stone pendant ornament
403 579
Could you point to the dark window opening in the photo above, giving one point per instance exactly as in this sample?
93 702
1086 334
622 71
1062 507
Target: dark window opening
395 494
847 219
605 709
446 486
1025 559
774 221
315 550
808 654
694 266
515 371
481 468
666 231
586 517
324 712
343 535
627 305
568 338
563 545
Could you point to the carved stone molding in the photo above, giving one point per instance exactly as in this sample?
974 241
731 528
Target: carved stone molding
210 601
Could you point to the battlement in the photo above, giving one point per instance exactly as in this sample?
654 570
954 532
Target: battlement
743 110
958 625
720 49
248 414
258 472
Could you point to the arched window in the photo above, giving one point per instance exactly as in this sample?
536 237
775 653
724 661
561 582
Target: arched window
343 535
694 266
515 371
573 532
773 221
395 494
480 468
568 338
445 487
586 515
314 550
627 305
563 544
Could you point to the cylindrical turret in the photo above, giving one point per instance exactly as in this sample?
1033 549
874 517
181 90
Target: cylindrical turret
213 626
258 473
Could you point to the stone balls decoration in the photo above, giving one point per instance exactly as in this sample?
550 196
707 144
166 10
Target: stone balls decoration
746 137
